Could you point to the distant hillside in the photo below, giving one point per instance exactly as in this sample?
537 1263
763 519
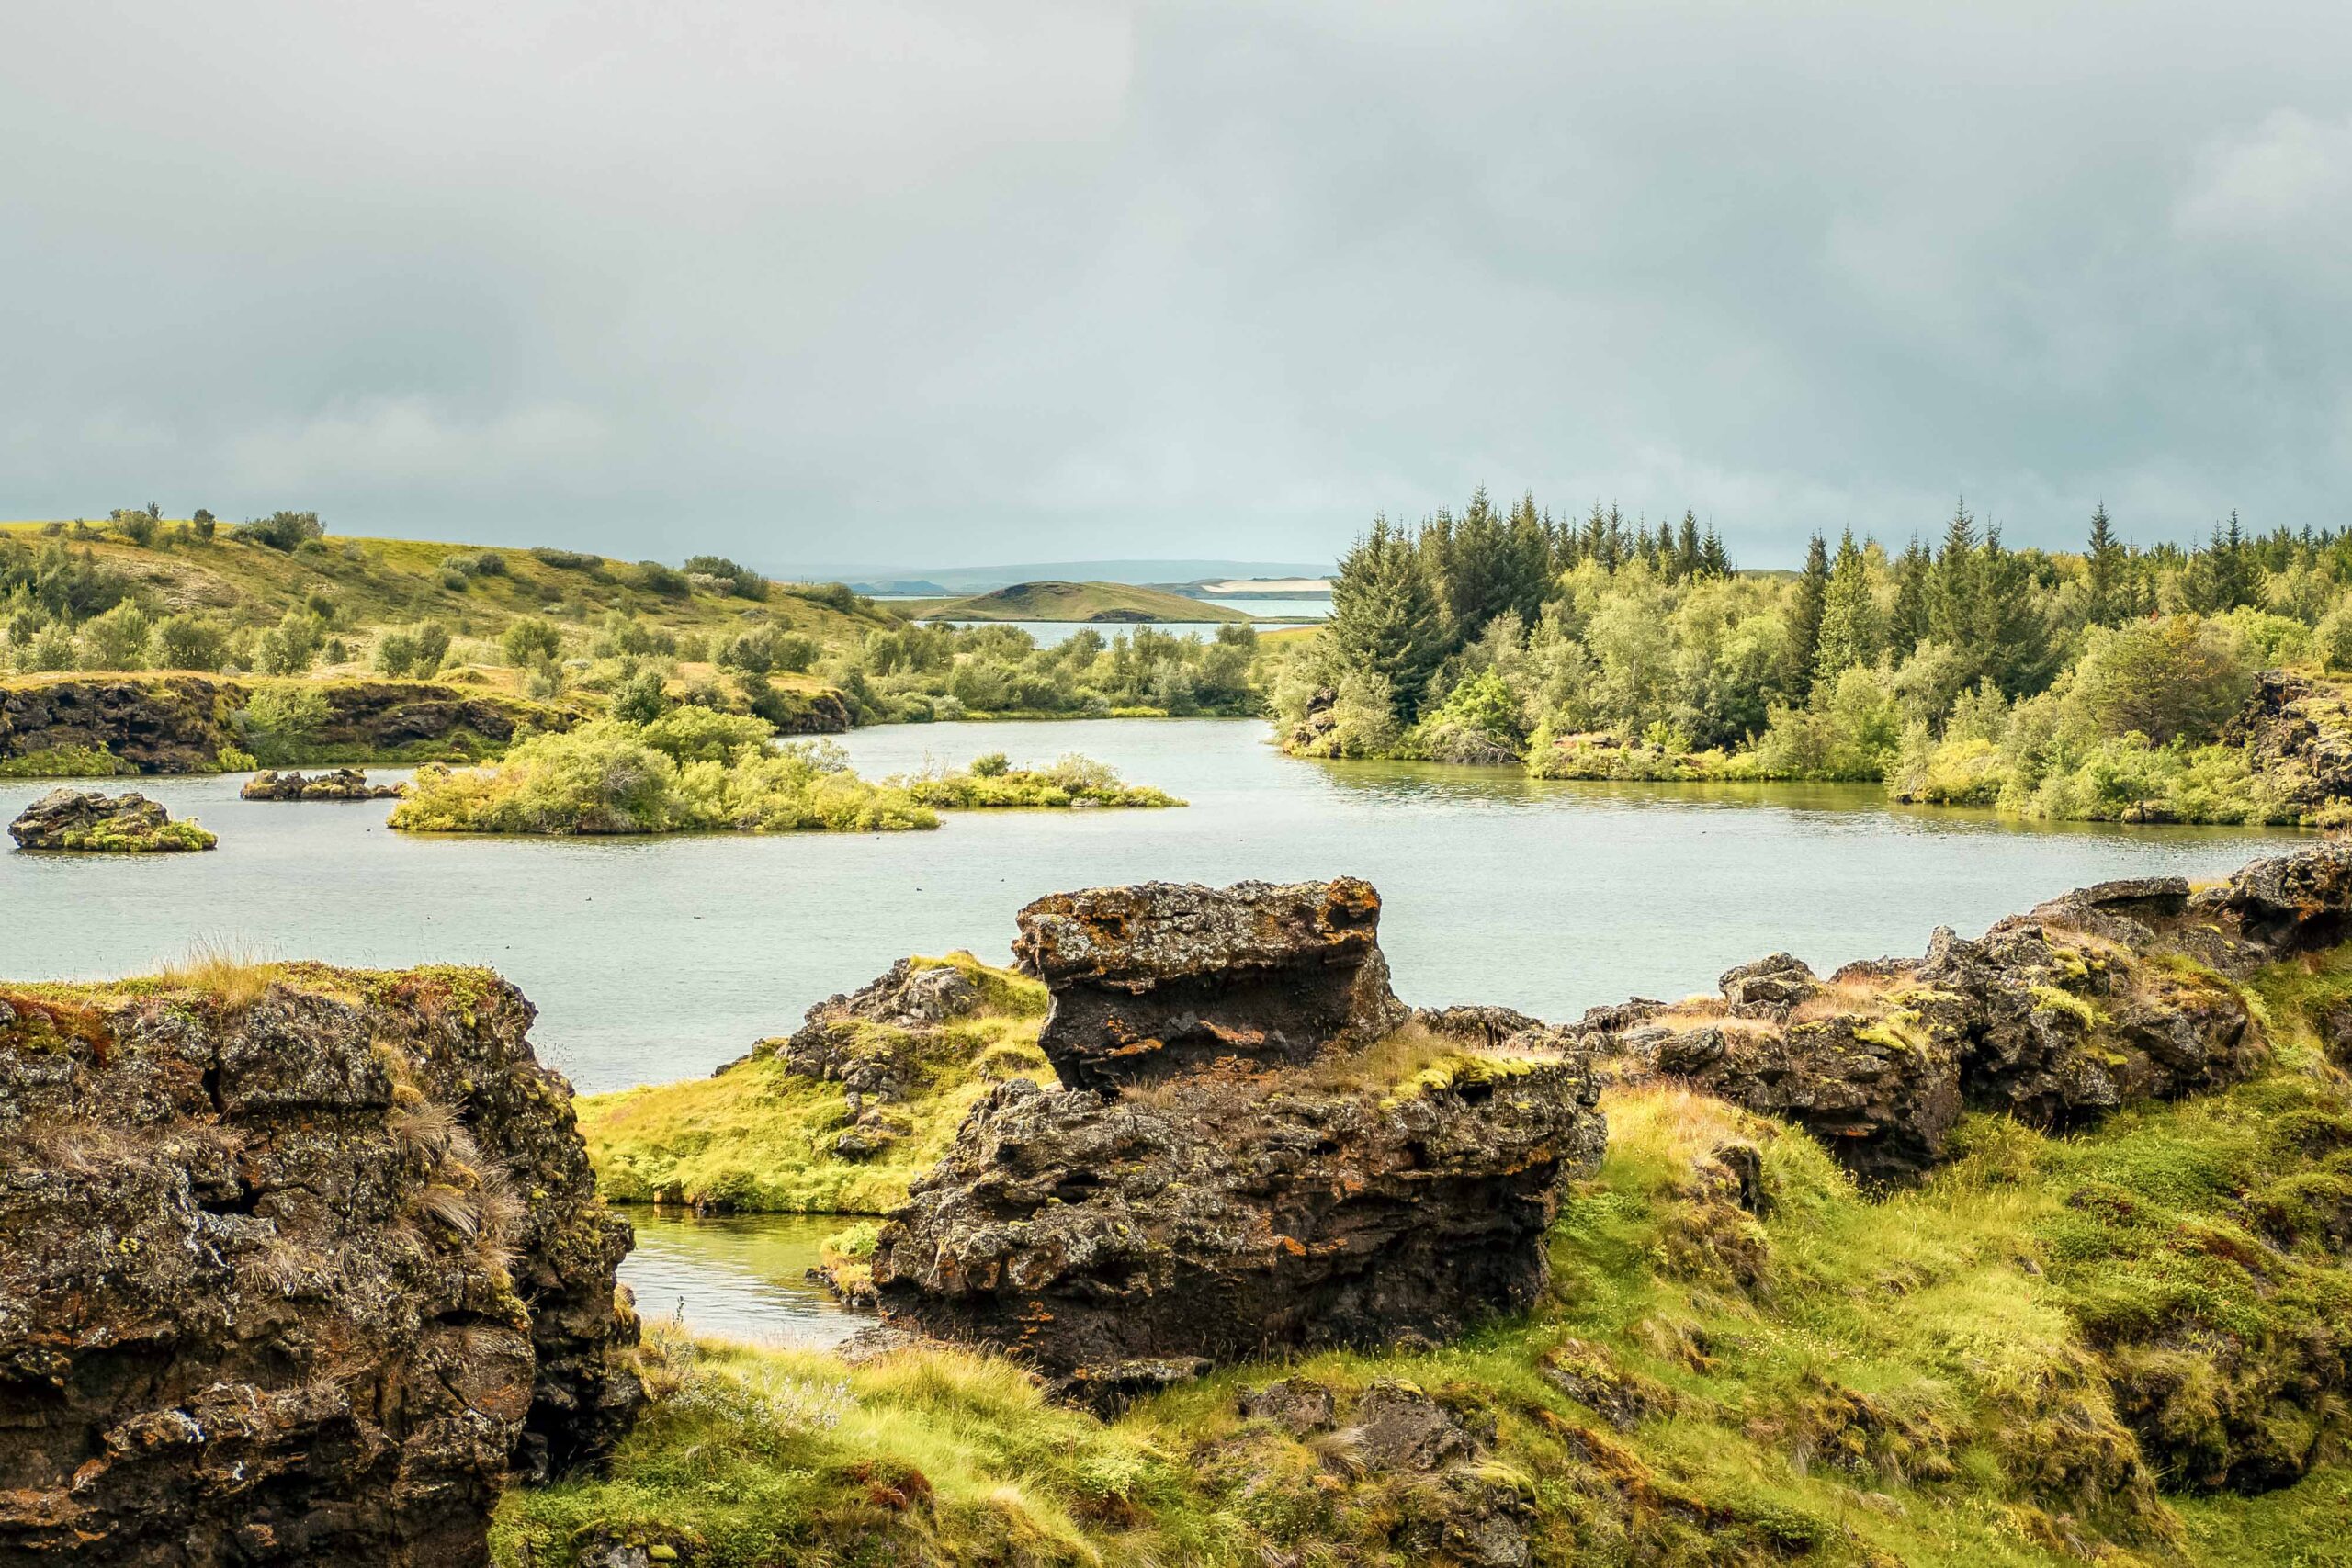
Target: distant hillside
946 580
1104 602
359 585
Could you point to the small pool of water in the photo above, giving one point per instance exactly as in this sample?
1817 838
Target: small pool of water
740 1276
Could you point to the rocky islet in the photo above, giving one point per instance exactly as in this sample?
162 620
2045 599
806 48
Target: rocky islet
93 822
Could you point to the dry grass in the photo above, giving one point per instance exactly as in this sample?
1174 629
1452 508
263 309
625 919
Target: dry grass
236 975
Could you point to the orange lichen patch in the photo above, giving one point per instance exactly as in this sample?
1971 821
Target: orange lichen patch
51 1024
1863 994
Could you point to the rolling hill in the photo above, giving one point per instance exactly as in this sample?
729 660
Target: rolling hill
1111 603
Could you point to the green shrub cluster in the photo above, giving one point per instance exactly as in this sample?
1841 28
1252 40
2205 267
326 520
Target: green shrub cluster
692 770
2056 685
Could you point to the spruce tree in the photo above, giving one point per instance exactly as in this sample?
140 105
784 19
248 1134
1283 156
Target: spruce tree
1952 587
1686 546
1480 570
1804 620
2012 639
1850 630
2106 603
1908 624
1384 615
1713 558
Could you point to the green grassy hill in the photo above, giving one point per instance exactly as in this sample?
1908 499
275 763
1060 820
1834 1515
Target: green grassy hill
1111 602
476 590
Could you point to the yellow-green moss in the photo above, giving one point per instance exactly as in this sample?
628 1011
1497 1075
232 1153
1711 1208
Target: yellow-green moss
757 1137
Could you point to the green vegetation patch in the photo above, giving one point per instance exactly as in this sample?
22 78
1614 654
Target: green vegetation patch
759 1136
2126 1346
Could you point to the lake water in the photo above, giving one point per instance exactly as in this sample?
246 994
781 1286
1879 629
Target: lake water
743 1276
655 959
1053 634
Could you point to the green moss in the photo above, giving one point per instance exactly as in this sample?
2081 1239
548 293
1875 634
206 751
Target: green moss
2054 1350
114 837
2072 1006
65 762
759 1137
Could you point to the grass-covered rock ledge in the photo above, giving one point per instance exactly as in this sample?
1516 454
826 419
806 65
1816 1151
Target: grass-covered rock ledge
698 769
2110 1329
862 1099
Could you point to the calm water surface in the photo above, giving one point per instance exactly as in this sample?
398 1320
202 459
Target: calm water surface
656 959
743 1276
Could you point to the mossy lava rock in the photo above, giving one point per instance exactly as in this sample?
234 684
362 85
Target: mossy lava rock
1245 1156
111 824
1160 977
298 1267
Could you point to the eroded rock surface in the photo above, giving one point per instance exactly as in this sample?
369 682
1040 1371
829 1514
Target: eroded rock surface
2297 736
119 824
339 784
1161 977
299 1276
1215 1182
181 724
2058 1016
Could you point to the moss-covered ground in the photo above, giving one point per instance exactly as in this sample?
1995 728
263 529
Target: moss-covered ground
2124 1347
758 1136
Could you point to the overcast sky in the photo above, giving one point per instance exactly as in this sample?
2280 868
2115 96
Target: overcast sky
812 282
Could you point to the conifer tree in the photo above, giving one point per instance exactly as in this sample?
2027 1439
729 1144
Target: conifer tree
2106 603
1687 562
1384 615
1952 587
1850 630
2012 640
1804 620
1715 560
1908 623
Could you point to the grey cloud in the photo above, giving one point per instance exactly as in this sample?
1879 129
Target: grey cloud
949 282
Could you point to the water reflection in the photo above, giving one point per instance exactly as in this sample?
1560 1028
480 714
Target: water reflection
655 959
743 1276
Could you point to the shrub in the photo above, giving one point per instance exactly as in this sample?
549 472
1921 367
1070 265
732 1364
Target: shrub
202 525
530 640
137 526
667 581
279 721
286 531
641 699
754 650
118 639
795 651
50 648
291 647
2333 641
2167 679
188 642
565 561
992 765
727 577
413 651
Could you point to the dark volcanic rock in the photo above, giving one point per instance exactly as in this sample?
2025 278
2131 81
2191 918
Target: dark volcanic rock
87 820
296 1278
2110 994
1105 1236
157 724
1161 977
343 783
2296 735
181 724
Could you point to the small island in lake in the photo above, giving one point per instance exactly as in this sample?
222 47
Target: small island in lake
91 822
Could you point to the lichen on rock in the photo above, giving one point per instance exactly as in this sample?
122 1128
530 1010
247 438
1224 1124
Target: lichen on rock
1225 1172
1160 977
296 1266
92 822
